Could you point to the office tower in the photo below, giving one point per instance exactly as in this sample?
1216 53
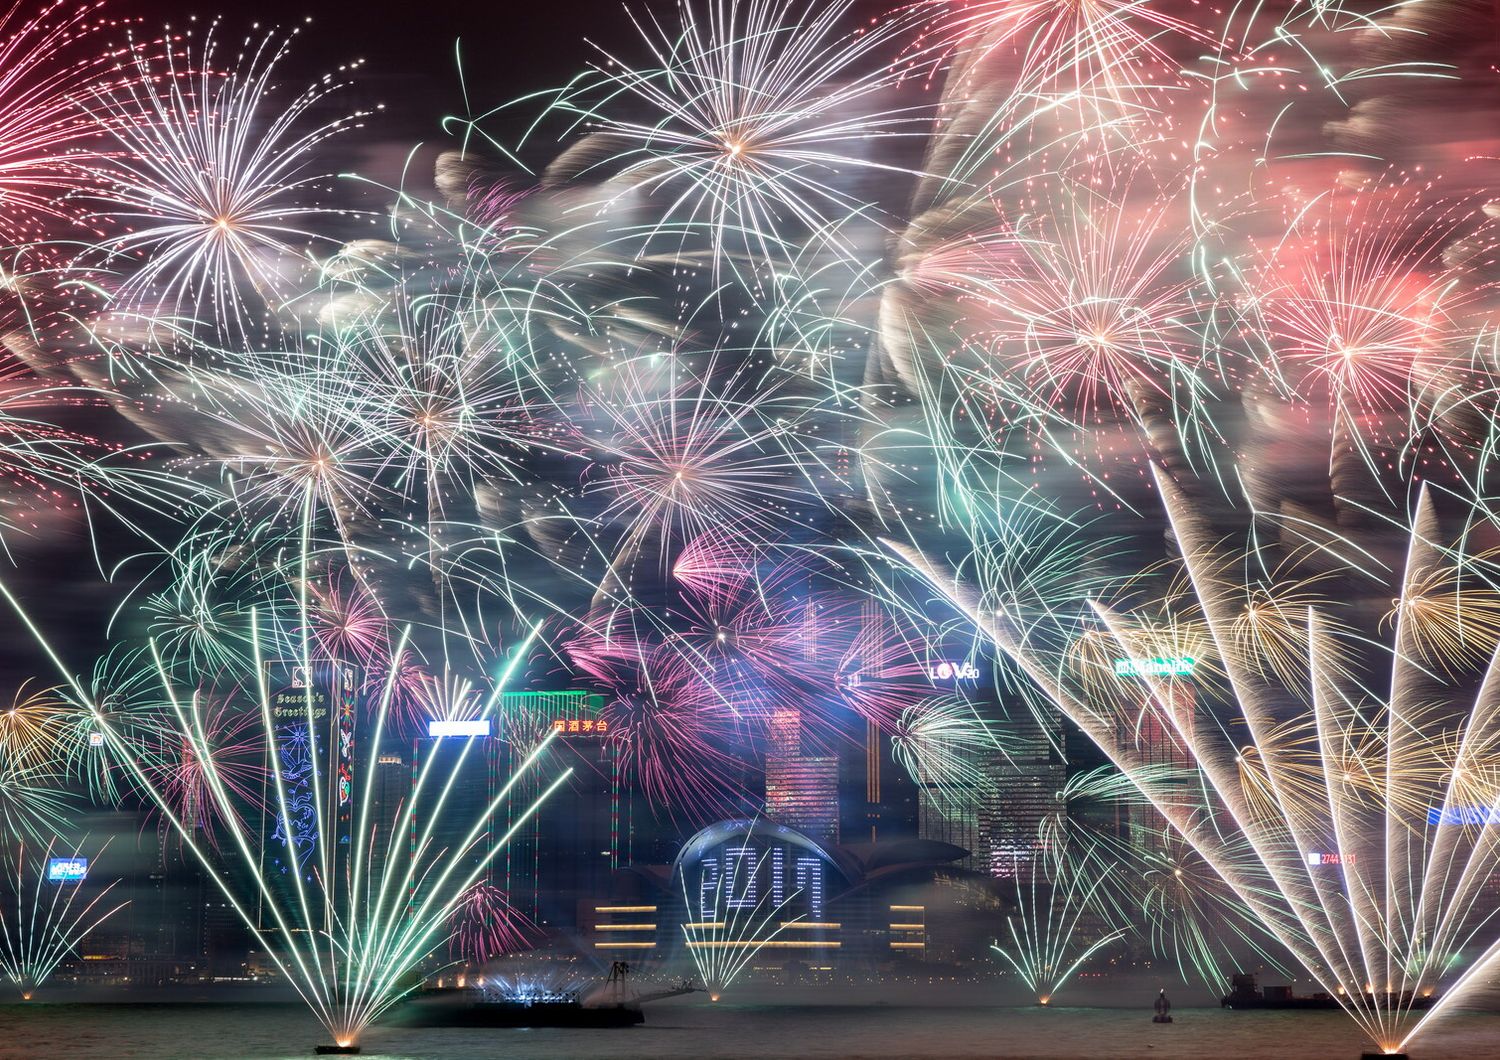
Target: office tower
313 711
452 813
391 780
560 861
1023 787
1161 737
802 791
877 799
998 815
950 813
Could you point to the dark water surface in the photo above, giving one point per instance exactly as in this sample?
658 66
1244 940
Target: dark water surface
695 1029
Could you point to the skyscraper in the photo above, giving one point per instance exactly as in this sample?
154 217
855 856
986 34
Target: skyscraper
309 789
1022 791
560 861
997 816
801 790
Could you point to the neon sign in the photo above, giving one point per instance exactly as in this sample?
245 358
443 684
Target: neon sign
953 671
475 727
1169 666
1316 858
580 726
67 870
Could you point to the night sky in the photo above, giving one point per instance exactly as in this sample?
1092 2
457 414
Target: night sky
409 66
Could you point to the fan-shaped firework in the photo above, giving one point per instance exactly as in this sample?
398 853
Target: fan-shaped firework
806 278
1051 933
44 919
347 926
1382 785
729 921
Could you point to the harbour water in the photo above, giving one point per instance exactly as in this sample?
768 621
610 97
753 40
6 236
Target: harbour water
693 1028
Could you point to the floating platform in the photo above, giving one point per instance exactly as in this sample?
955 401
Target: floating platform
456 1012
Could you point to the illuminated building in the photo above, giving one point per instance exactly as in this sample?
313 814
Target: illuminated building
624 931
391 778
815 906
313 711
559 863
474 768
801 790
997 817
742 872
1162 750
951 817
908 928
1023 784
877 799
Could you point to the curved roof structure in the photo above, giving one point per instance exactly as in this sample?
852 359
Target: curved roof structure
722 832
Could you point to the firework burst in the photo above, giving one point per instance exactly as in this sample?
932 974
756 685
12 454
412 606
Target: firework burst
211 181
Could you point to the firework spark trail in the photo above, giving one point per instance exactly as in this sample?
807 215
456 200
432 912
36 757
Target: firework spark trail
50 61
724 934
487 925
683 455
943 744
659 352
378 918
29 726
41 930
35 802
186 780
1194 919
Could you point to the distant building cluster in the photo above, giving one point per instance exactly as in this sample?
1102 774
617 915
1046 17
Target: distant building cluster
840 841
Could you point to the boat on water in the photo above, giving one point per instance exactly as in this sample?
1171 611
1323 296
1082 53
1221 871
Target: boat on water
613 1005
463 1008
1245 994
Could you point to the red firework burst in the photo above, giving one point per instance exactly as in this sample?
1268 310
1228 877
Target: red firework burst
51 63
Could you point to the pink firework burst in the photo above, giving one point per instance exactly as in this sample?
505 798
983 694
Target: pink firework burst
881 666
347 620
671 731
486 926
715 566
229 756
405 679
1087 313
610 643
752 648
51 63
